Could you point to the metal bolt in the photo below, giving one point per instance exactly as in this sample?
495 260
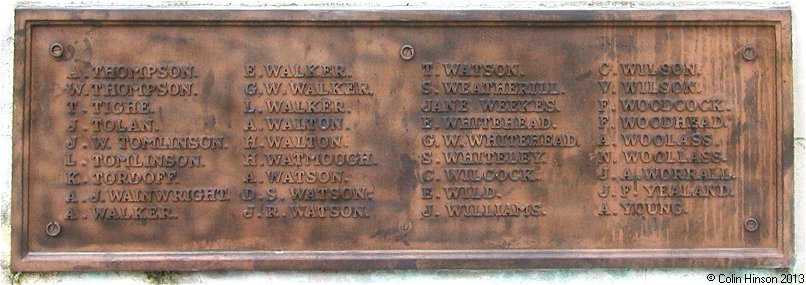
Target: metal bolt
751 224
53 229
56 50
407 52
749 52
405 226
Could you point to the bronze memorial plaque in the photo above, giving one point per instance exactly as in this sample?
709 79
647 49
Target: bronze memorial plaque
248 140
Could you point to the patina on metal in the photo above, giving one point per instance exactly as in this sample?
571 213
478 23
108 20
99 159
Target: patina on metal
206 140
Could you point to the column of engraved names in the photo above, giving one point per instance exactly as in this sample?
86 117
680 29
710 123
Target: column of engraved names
296 145
672 136
128 166
488 130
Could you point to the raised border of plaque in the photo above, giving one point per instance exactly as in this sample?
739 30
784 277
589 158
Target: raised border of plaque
25 260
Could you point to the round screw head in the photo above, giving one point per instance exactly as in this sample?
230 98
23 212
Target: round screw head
53 229
405 226
56 50
751 224
407 52
749 52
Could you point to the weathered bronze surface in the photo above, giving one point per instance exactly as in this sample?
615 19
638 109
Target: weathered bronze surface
200 140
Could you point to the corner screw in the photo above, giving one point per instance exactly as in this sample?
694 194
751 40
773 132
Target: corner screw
407 52
749 52
751 224
405 226
53 229
56 50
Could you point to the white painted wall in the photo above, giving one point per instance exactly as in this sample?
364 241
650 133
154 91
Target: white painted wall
465 277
